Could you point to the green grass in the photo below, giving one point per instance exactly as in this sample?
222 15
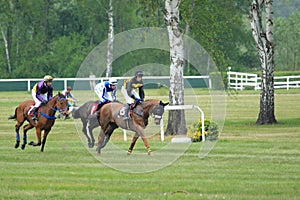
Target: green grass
248 162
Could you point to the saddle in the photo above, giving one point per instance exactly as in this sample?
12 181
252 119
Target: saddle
132 107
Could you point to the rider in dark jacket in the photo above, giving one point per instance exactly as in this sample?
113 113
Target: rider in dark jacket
128 90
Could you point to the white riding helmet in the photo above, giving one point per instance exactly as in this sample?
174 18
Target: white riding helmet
48 78
113 81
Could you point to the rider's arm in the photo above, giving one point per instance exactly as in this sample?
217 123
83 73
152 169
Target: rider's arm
38 91
141 93
129 88
50 93
114 95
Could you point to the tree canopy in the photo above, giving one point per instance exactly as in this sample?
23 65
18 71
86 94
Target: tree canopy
54 37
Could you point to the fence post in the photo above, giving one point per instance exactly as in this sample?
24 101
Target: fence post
28 85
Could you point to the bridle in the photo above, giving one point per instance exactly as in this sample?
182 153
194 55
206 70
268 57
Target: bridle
56 108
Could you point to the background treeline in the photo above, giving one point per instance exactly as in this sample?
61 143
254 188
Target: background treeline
54 36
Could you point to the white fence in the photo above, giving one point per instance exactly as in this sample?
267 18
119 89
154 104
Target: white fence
16 84
239 81
179 107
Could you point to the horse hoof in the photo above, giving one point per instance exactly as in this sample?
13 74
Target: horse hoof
98 150
31 143
91 145
23 146
150 153
17 145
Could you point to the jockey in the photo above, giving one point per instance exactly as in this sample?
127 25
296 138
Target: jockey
128 90
103 89
42 93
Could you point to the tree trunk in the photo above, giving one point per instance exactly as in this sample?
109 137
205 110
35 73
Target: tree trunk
264 43
7 51
46 25
110 41
176 120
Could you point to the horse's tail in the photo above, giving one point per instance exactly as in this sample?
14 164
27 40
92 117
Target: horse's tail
13 116
76 113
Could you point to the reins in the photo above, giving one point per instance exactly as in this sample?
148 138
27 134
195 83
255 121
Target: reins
55 109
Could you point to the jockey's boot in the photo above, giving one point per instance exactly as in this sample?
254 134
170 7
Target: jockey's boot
34 114
126 113
94 110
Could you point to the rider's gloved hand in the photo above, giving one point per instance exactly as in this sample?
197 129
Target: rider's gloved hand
137 100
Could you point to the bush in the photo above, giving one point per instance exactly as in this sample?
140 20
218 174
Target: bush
211 130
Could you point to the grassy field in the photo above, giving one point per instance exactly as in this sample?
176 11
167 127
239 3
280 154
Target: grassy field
248 162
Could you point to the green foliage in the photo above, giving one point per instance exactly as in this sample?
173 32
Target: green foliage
211 130
55 36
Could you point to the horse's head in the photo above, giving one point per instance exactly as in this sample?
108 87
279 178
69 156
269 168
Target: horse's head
158 111
62 105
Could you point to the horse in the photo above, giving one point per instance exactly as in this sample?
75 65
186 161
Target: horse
88 123
111 118
46 119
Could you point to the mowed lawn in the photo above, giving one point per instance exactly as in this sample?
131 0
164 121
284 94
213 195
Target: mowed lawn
248 161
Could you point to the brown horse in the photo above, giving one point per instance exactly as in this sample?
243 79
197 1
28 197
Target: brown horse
111 118
46 119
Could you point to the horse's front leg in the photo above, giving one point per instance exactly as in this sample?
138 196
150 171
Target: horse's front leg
46 132
133 141
101 141
85 131
92 125
146 143
38 135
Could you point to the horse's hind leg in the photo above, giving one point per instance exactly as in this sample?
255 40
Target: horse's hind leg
17 128
25 129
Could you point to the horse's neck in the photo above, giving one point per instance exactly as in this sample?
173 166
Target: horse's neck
148 105
50 106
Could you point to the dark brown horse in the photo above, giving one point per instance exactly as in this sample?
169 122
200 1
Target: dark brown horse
46 119
88 123
111 118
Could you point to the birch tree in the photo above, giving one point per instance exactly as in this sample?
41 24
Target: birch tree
7 51
176 119
110 40
263 37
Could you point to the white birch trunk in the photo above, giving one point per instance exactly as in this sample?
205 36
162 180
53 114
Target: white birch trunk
6 51
110 41
264 42
176 122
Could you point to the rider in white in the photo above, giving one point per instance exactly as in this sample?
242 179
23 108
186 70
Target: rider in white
106 92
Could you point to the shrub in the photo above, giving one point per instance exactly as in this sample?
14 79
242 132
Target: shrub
211 130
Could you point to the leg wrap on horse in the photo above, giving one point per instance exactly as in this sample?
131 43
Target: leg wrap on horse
17 137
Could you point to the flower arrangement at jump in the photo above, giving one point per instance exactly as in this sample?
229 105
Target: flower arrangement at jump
211 130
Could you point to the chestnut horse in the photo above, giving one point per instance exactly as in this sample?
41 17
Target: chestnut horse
46 119
111 118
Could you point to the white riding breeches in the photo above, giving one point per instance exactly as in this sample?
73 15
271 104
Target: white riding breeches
38 102
128 99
